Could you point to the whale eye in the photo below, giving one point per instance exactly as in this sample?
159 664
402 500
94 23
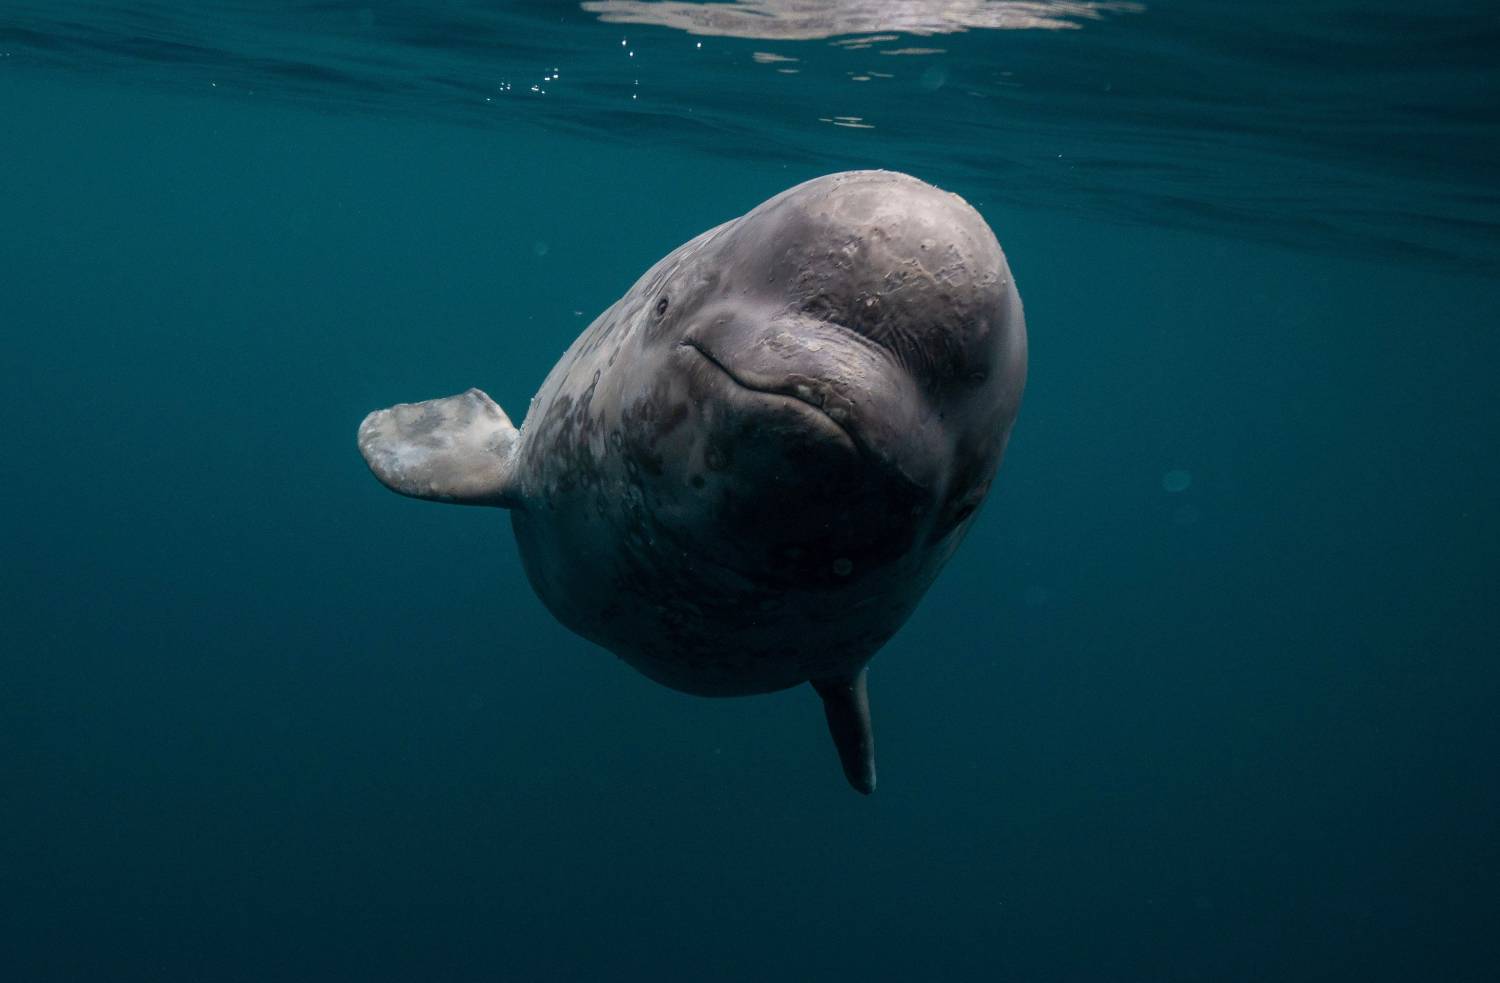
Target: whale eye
661 306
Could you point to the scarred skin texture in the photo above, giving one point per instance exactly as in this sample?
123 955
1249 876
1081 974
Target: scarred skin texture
746 472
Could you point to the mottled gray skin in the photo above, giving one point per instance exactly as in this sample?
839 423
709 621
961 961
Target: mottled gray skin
746 472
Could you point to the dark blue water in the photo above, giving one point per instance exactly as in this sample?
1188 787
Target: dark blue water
1207 694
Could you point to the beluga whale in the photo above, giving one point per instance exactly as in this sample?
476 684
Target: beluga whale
743 475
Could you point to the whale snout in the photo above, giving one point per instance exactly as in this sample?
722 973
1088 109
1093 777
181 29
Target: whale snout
851 382
843 279
863 347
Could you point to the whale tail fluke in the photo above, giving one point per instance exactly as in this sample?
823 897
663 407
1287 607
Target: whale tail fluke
460 449
846 702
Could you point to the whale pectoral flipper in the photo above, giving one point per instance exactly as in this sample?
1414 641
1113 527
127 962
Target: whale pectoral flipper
459 449
846 702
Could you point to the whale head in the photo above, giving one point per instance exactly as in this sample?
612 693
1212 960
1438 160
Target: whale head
854 352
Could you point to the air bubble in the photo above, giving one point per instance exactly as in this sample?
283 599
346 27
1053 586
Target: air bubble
1176 480
933 78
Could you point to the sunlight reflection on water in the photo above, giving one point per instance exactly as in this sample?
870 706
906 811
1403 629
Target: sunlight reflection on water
806 20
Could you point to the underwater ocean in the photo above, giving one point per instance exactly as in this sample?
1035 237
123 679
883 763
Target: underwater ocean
1209 692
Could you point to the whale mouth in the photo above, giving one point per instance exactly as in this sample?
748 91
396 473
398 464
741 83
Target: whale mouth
791 392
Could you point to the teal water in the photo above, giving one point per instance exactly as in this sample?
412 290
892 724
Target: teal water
1207 694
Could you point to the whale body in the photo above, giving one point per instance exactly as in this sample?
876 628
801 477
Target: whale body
745 473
